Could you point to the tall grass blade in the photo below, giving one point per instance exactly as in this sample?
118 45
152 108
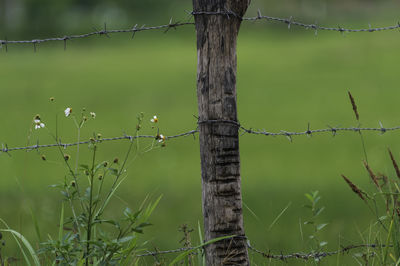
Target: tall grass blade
26 243
151 208
251 211
18 243
279 216
109 197
200 256
386 251
188 252
36 224
61 229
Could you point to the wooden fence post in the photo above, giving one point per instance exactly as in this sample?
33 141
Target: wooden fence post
217 26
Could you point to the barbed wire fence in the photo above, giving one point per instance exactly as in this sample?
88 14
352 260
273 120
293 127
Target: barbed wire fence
243 130
315 255
174 25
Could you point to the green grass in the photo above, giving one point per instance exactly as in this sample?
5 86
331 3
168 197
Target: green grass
285 80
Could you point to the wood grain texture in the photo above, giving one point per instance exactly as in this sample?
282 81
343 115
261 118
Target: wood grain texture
219 142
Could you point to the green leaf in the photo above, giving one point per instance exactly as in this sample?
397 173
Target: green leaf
64 193
382 218
128 212
316 199
323 243
115 223
309 197
319 210
100 165
320 226
125 239
56 186
84 166
358 255
139 228
113 171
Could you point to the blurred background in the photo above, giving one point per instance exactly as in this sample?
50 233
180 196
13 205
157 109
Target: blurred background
286 79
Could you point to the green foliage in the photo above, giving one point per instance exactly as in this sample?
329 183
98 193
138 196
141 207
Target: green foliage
384 204
18 239
313 221
85 236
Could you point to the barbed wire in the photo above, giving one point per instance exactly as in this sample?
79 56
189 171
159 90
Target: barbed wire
290 21
6 149
312 255
289 134
317 255
165 252
106 32
103 32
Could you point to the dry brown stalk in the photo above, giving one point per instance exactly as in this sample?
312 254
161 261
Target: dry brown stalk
353 103
354 188
371 174
396 167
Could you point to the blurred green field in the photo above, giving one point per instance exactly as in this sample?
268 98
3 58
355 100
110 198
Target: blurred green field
285 81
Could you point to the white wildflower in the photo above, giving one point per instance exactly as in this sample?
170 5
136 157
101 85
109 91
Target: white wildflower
68 111
161 138
154 119
93 114
38 123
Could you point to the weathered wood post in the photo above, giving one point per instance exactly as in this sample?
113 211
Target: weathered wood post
217 27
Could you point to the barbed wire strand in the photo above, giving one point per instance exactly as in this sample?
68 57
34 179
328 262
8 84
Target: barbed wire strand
268 255
312 255
290 21
106 32
308 132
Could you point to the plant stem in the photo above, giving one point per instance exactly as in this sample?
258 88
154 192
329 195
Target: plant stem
116 179
90 211
77 151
